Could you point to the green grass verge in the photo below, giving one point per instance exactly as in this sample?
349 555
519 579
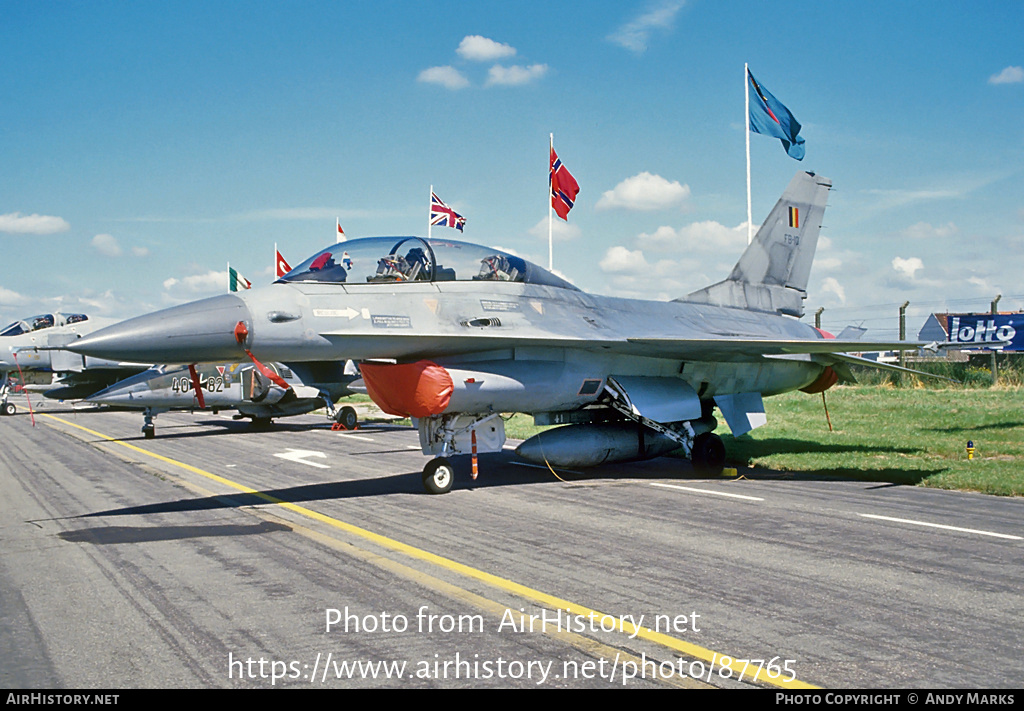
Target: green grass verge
903 435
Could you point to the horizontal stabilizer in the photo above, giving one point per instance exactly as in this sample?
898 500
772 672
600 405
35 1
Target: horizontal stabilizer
868 363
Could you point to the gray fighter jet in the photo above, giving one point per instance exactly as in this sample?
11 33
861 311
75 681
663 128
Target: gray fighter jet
34 345
228 386
454 335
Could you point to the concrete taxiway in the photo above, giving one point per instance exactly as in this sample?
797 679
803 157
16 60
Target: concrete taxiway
215 556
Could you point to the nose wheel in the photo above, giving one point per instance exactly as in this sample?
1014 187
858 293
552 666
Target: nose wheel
438 476
347 418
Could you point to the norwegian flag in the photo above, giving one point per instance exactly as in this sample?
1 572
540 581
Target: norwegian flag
441 214
564 187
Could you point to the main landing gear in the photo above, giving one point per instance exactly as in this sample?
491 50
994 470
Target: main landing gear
148 426
708 453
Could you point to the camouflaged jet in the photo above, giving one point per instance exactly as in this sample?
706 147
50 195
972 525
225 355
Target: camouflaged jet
33 345
455 335
253 393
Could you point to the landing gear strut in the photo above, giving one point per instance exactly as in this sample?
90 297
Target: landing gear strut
148 427
6 408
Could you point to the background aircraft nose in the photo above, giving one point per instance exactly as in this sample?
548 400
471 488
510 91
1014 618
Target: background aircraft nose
200 331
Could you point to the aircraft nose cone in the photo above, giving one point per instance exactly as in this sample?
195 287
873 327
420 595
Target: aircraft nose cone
200 331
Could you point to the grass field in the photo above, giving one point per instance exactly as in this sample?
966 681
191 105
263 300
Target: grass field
908 435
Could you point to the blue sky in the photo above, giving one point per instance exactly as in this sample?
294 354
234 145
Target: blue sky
145 145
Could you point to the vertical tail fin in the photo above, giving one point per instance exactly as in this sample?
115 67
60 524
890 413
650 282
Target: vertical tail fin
773 272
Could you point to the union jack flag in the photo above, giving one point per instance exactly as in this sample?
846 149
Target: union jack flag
441 214
564 187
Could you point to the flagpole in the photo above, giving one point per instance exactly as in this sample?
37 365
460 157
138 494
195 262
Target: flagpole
746 130
551 147
430 205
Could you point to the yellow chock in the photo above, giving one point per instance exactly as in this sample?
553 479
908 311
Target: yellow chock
728 472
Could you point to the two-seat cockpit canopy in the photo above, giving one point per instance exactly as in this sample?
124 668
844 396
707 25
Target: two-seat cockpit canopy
392 260
38 323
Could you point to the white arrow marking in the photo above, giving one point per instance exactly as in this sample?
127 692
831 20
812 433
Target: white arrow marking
297 455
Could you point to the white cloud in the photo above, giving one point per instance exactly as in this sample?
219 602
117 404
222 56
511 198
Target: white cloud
449 77
907 267
561 231
644 192
515 75
1010 75
140 251
634 35
482 49
707 236
211 282
924 230
16 223
106 245
619 260
11 298
831 285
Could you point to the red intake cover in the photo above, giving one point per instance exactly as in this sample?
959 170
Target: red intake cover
416 389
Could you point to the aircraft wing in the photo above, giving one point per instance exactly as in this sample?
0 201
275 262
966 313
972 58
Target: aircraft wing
406 346
747 348
81 384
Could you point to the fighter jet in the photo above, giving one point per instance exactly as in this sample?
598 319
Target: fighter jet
456 334
34 345
228 386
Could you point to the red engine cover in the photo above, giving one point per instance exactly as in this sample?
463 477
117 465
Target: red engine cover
416 389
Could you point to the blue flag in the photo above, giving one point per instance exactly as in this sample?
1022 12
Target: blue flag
769 117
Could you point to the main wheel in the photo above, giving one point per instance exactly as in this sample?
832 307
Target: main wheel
9 408
347 418
149 430
438 476
708 454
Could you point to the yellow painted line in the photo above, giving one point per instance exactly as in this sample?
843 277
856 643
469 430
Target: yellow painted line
660 638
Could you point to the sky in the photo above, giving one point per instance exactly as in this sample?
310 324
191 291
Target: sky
146 145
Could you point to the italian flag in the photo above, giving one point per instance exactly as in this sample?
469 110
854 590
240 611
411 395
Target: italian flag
237 281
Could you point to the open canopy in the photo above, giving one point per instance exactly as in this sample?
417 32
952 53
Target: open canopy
394 260
38 323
